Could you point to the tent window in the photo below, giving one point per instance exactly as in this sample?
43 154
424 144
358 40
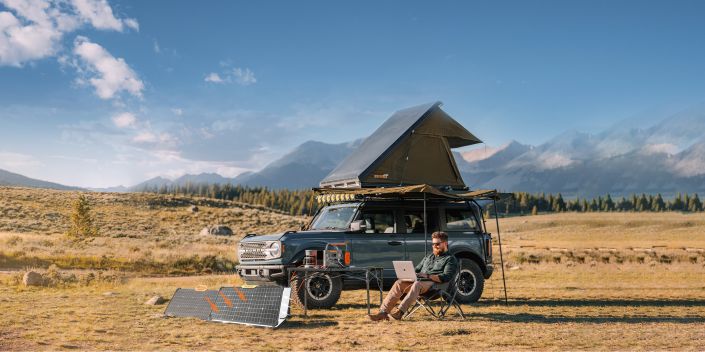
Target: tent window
379 221
414 221
460 220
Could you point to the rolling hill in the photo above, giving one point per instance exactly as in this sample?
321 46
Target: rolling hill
8 178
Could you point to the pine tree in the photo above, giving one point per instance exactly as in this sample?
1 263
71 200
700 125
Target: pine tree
677 204
559 203
523 203
657 203
642 203
608 204
82 222
635 202
593 205
695 204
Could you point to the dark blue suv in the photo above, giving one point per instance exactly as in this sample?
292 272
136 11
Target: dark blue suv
384 231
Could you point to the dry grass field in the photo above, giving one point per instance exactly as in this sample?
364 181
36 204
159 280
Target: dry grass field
575 281
137 232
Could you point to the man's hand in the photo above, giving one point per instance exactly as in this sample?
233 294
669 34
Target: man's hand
433 278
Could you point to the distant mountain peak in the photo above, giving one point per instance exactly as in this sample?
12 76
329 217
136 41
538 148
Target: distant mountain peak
485 152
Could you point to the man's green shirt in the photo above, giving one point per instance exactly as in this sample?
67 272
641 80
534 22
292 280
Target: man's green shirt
443 265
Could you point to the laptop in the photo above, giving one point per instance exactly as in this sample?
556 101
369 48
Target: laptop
405 270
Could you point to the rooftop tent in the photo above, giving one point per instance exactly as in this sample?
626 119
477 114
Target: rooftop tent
411 147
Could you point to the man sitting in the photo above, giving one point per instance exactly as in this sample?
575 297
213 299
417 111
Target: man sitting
438 267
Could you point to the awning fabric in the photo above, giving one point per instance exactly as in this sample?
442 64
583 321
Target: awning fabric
329 195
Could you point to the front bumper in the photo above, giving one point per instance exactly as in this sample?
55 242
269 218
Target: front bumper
254 272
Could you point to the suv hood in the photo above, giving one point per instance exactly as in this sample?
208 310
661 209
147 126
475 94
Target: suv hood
258 238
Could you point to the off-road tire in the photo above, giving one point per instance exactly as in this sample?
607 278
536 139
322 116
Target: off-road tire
323 290
471 282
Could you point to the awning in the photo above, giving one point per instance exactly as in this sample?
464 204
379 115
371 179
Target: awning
328 195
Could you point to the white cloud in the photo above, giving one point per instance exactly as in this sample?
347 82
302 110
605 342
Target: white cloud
107 74
177 111
213 78
145 137
172 164
124 120
99 14
33 29
241 76
132 24
156 47
550 161
15 161
244 77
20 43
660 148
162 140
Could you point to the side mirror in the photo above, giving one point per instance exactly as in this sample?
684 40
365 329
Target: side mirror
358 226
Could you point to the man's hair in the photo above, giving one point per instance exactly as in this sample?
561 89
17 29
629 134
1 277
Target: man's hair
440 235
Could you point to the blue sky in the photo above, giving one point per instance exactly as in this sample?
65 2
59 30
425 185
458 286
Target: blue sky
98 93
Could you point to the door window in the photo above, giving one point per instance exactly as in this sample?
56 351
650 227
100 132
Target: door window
414 221
460 220
379 221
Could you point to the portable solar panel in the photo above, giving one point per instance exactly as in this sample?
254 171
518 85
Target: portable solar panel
260 306
191 303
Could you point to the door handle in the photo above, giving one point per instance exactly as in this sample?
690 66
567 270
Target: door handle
394 243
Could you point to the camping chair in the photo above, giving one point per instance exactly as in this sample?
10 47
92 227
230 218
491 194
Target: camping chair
443 295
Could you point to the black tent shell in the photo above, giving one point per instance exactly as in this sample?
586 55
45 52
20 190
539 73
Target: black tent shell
411 147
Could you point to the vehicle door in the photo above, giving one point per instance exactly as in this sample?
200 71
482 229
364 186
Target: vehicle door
380 244
414 232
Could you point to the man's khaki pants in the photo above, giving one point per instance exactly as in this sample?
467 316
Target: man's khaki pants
412 290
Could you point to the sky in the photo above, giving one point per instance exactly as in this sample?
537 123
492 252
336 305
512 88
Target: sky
98 93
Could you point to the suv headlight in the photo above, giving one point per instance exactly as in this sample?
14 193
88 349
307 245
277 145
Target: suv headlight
273 249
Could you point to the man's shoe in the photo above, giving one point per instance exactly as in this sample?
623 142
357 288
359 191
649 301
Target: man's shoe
397 314
379 316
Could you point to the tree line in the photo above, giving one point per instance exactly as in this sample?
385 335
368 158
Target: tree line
527 203
293 202
301 202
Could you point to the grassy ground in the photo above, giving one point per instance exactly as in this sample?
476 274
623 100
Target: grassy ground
575 281
137 232
634 307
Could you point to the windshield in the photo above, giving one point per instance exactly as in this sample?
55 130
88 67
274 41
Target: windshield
337 218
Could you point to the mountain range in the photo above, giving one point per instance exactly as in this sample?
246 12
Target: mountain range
8 178
666 157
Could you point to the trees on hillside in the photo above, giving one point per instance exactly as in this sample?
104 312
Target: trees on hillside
300 202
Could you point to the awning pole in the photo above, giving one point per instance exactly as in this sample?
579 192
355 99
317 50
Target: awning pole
501 257
425 228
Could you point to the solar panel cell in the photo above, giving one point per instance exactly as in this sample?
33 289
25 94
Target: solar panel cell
260 306
191 303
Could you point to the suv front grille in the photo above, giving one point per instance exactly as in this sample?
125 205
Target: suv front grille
251 251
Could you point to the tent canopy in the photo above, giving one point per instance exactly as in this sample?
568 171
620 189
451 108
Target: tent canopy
421 191
412 147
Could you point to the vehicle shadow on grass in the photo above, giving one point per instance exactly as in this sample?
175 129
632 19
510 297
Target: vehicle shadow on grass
599 302
552 319
341 306
307 324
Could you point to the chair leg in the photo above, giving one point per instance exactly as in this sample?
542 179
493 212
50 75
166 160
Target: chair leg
430 309
413 310
459 309
450 301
